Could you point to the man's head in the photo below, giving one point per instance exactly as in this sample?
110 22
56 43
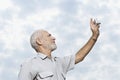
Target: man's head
42 40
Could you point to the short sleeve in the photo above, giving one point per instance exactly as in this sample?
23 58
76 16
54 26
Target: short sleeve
68 62
24 73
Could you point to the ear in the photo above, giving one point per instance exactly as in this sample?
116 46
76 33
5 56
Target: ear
38 41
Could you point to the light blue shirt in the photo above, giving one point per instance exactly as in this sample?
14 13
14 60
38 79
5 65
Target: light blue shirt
43 68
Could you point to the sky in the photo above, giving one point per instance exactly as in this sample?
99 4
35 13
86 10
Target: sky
68 22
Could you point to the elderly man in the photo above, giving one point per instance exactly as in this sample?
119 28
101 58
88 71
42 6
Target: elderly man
47 67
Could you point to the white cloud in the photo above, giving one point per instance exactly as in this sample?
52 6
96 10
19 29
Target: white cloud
12 37
4 4
41 18
113 4
71 77
71 30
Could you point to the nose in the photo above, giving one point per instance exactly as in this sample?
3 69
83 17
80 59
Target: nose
53 38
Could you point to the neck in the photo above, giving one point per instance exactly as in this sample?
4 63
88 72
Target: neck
46 52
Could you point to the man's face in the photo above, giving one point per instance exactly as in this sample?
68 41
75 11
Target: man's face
48 41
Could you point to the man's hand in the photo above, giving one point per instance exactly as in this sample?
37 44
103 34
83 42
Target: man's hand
82 53
95 28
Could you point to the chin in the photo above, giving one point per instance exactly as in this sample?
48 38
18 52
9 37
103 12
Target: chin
53 47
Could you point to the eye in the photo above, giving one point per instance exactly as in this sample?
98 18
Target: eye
49 35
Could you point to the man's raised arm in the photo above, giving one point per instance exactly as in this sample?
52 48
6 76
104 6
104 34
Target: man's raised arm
81 54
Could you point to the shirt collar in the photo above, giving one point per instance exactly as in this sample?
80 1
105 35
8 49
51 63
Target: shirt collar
42 56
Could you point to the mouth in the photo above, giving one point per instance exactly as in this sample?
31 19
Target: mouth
53 41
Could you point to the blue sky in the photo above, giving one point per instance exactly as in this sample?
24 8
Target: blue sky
68 21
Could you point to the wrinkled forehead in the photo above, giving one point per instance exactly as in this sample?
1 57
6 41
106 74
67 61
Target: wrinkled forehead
45 32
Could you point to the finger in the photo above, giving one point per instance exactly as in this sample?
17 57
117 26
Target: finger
94 21
98 23
98 26
91 20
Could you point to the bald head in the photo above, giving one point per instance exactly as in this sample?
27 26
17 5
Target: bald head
44 39
37 34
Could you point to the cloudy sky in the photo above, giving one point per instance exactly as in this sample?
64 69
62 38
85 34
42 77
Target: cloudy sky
68 21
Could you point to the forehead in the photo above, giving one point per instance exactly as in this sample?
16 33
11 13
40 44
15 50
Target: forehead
45 33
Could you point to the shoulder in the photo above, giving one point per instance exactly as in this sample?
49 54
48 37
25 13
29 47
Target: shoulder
27 62
66 57
63 58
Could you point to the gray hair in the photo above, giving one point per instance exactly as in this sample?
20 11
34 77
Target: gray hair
33 38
